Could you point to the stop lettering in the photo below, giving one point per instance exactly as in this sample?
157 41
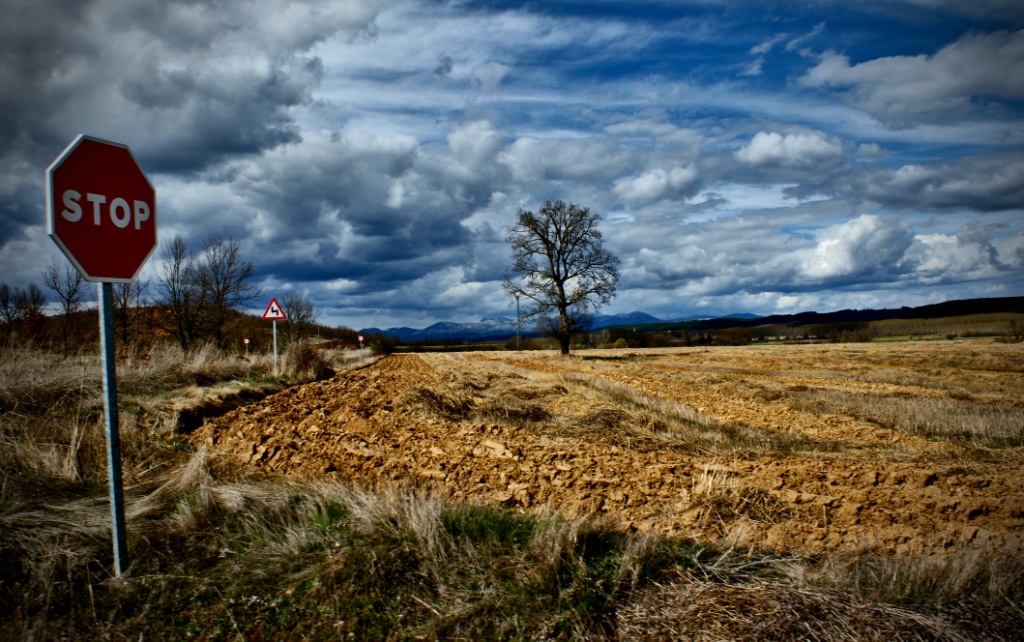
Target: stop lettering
101 209
120 213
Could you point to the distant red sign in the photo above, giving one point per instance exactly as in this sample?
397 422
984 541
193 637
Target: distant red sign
274 312
101 209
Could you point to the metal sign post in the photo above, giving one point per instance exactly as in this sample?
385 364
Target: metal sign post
106 297
275 313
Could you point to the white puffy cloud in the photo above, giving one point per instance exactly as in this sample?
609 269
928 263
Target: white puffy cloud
792 150
656 183
975 252
866 244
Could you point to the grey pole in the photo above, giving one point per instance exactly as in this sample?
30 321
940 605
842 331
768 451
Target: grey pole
519 326
275 347
106 298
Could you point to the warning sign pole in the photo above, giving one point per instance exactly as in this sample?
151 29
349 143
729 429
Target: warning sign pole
275 313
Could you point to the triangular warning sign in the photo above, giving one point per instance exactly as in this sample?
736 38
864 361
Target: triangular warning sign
274 312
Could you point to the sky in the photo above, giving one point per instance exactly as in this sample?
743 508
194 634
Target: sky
744 155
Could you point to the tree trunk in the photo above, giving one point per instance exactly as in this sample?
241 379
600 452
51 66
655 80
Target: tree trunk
67 332
564 342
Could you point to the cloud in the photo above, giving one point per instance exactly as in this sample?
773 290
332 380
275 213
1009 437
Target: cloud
768 44
791 150
867 245
756 68
475 144
444 65
487 76
658 130
985 183
183 83
796 44
975 252
961 79
584 159
657 183
186 85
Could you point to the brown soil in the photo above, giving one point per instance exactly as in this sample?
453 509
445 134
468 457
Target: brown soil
742 445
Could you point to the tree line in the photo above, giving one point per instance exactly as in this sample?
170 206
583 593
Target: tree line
193 298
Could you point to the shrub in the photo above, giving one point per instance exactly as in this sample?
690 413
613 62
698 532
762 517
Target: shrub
301 360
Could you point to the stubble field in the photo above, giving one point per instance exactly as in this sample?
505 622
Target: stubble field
903 449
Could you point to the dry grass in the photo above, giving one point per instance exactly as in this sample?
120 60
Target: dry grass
472 393
958 418
674 423
762 611
34 381
52 432
717 499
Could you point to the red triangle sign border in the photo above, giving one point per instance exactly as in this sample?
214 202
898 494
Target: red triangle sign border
274 311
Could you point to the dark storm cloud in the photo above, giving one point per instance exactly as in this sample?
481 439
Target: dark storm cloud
366 207
186 85
985 183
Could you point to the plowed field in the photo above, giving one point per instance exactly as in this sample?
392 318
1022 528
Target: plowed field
907 449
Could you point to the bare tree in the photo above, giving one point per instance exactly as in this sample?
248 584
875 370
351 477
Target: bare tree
560 267
10 315
72 292
301 315
30 305
179 290
224 278
128 298
201 293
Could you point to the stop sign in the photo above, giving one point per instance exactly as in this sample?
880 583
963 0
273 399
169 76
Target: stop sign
101 209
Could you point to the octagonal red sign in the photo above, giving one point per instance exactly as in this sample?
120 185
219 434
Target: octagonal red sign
101 209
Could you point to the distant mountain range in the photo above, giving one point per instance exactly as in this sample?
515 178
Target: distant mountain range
501 328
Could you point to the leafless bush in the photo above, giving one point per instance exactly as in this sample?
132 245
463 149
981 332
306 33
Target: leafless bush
303 361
